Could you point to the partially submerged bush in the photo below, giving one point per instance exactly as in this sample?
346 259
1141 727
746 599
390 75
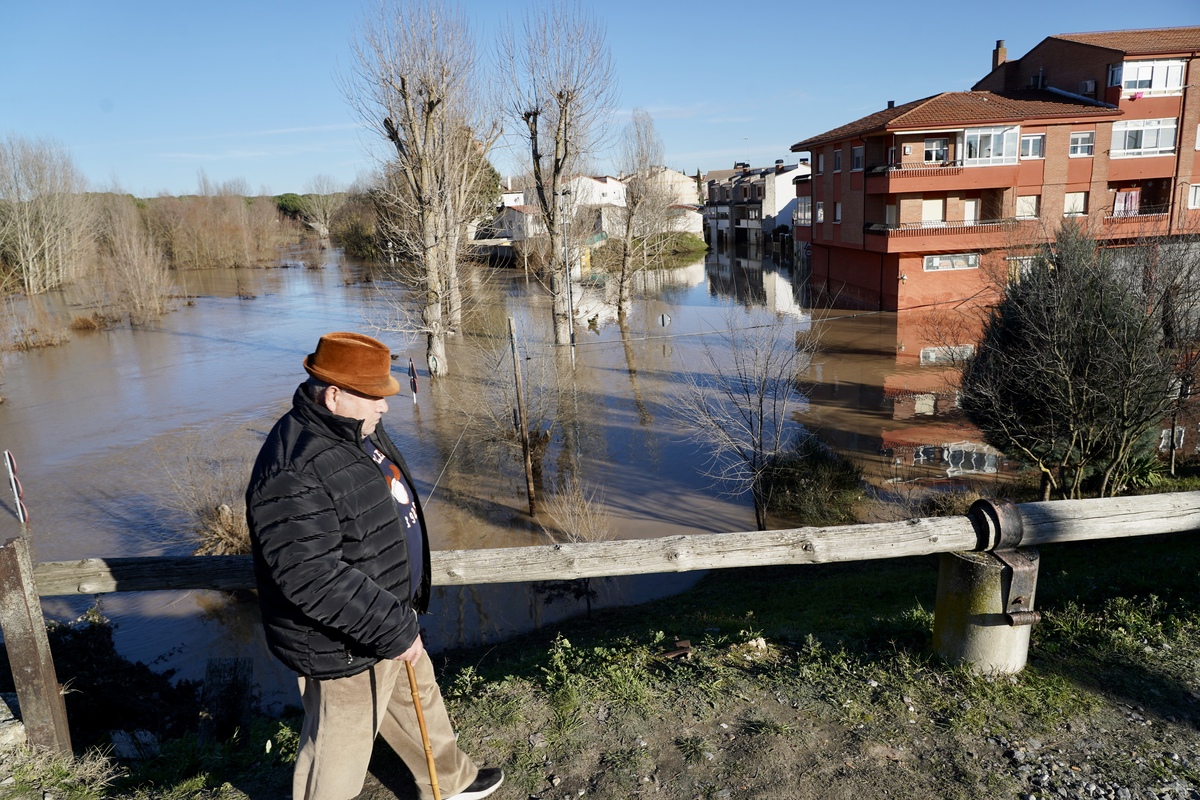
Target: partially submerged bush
814 483
209 481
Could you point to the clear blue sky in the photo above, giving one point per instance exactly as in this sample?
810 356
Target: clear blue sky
148 94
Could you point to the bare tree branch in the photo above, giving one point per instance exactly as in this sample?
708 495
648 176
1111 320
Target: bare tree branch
560 85
741 402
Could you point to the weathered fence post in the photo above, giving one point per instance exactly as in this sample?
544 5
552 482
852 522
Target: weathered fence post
984 607
38 693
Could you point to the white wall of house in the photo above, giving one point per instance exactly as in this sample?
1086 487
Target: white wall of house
681 188
779 196
588 191
686 219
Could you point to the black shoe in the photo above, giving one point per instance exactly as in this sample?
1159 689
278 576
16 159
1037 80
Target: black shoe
487 781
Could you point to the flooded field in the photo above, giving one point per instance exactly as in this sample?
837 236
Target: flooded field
114 430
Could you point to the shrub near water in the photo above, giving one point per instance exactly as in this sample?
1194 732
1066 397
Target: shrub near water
813 483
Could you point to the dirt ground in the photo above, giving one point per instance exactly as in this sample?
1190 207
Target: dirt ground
760 745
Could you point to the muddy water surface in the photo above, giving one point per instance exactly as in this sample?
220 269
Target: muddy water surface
108 427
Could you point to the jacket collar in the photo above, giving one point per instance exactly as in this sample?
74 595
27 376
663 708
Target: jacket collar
320 417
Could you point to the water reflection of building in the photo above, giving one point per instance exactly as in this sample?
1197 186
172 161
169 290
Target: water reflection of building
745 276
884 388
595 296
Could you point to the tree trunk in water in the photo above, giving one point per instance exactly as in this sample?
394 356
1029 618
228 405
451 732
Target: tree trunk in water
454 284
559 287
624 278
431 315
644 416
435 354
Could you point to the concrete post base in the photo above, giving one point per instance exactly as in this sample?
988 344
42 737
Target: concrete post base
970 626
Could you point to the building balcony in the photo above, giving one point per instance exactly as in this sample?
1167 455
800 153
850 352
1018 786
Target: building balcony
1148 220
907 237
922 177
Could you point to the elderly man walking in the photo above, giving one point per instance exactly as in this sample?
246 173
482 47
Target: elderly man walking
342 562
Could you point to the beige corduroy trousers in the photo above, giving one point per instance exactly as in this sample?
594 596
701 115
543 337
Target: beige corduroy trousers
342 716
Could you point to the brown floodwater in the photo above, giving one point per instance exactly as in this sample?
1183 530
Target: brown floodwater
112 428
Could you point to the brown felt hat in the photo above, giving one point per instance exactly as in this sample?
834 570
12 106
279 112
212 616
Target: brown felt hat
353 361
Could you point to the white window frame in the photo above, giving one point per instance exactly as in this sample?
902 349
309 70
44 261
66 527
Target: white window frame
939 263
1163 77
1032 206
1020 267
984 142
1164 439
857 155
1035 141
819 211
820 163
946 354
1075 209
804 210
837 160
1083 144
932 148
1194 195
1150 137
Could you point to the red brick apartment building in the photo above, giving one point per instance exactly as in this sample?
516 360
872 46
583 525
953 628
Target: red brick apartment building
937 200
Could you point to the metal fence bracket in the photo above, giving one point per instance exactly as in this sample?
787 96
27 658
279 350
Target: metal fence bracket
1021 579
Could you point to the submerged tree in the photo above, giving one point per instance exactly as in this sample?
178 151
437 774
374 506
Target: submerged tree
45 215
560 87
740 401
320 203
414 84
134 269
1073 369
647 197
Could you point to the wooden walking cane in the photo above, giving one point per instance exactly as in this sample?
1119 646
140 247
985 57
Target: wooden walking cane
412 682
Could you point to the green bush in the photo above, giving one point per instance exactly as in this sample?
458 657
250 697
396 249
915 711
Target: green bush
291 204
812 482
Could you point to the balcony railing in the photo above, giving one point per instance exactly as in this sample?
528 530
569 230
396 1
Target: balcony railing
918 169
937 228
1145 210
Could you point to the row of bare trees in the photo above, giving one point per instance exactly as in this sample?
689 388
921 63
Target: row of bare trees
45 218
420 83
53 232
220 226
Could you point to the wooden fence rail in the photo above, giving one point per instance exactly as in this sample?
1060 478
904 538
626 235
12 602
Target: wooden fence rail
1042 523
988 527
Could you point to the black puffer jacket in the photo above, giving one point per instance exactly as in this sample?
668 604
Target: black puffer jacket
330 553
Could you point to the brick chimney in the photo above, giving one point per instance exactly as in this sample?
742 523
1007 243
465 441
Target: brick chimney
1000 54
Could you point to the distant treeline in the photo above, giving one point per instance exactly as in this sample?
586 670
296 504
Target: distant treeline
54 232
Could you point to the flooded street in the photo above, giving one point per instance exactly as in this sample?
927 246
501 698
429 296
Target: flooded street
108 427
